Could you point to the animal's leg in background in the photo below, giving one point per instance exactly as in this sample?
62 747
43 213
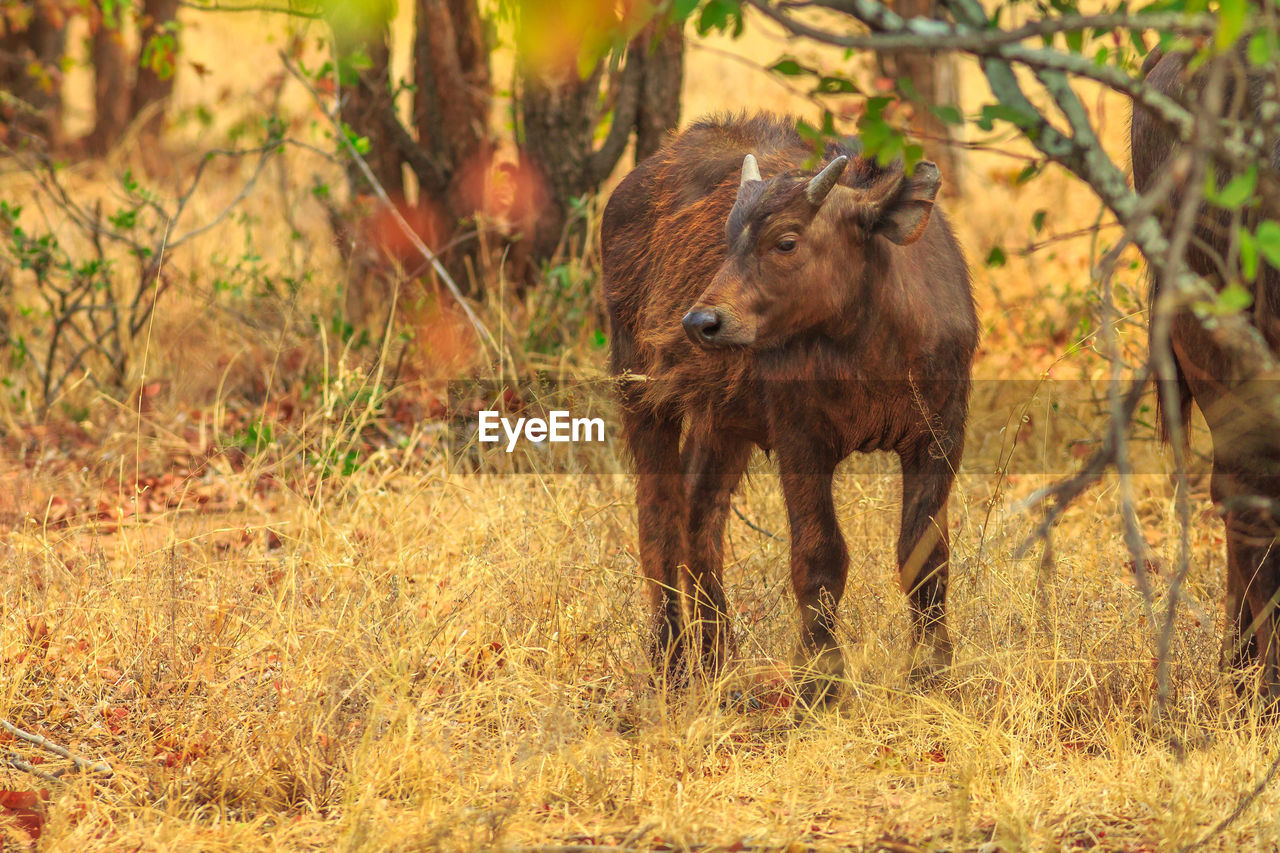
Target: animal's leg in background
1253 580
819 563
654 442
713 466
1239 644
1251 552
1246 486
924 552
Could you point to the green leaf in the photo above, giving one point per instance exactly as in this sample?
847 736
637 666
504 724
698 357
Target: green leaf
890 148
719 15
992 113
995 257
949 113
879 138
808 132
1248 254
829 85
1037 220
1231 15
1238 190
1234 297
1262 47
911 155
1268 235
790 67
682 9
1028 172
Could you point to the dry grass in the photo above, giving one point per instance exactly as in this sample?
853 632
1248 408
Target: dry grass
441 649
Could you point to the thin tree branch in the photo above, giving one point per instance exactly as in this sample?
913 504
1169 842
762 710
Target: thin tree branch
289 10
602 161
49 746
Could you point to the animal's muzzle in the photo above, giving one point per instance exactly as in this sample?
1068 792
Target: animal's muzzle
703 326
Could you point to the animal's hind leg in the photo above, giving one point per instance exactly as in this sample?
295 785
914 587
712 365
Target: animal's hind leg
1239 645
713 466
654 443
924 553
1253 574
1246 490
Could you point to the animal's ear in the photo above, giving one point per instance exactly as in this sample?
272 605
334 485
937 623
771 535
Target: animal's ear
902 216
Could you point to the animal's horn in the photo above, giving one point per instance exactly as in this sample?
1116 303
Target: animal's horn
750 171
823 182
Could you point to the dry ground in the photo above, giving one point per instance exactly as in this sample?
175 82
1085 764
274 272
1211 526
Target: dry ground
441 648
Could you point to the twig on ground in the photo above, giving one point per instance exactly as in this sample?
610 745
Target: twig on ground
17 762
1246 801
62 752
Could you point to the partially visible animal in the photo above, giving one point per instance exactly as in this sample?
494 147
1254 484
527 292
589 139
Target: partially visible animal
809 311
1226 381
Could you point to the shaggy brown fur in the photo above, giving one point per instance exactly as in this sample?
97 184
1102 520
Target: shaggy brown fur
1239 403
821 329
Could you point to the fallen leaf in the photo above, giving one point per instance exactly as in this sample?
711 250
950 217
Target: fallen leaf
25 809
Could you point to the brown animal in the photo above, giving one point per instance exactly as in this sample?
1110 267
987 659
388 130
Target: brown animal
1239 404
812 313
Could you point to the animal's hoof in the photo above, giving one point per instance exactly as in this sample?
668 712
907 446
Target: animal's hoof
667 657
817 678
740 702
929 665
669 674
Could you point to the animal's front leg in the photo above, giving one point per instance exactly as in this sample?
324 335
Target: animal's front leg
819 565
924 553
713 464
660 507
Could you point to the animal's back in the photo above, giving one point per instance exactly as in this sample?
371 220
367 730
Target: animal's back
1152 146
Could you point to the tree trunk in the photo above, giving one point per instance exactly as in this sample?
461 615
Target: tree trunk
454 94
936 81
30 78
364 109
110 83
559 119
560 115
157 62
659 111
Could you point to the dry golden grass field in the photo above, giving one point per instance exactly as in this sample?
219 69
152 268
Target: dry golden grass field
440 648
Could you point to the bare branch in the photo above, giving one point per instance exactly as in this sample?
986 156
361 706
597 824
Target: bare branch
289 10
44 743
1241 807
17 762
602 161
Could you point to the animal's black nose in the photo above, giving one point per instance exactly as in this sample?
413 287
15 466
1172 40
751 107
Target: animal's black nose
702 325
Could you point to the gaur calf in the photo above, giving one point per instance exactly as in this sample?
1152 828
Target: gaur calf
812 311
1226 381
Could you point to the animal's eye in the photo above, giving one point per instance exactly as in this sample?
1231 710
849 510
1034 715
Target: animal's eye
787 244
